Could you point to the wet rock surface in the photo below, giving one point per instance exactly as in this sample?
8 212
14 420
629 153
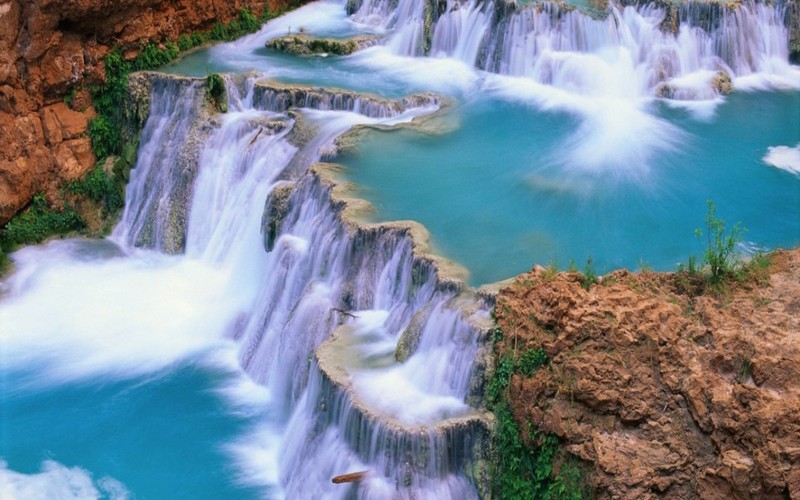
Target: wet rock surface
304 45
662 394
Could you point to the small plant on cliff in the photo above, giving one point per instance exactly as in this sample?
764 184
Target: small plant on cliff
38 222
720 246
105 188
589 275
550 272
531 360
152 56
215 85
105 136
248 22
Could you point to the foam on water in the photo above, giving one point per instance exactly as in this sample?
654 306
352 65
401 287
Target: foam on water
784 157
408 401
58 481
324 18
257 457
444 75
119 316
616 136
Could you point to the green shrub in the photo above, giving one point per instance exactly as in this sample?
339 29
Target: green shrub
589 275
102 187
37 223
498 385
219 32
531 360
93 185
70 97
215 85
720 245
248 22
105 136
152 56
526 470
497 334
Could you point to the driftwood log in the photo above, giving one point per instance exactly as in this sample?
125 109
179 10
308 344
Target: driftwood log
350 477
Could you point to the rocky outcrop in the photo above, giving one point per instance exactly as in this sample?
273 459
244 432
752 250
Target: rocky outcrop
660 393
303 45
50 51
278 97
458 443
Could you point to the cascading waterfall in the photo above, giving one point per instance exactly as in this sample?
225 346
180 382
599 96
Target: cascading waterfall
315 266
158 193
370 351
645 50
460 31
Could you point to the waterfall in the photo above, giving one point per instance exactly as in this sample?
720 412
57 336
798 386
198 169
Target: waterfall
629 52
311 281
692 52
158 192
460 31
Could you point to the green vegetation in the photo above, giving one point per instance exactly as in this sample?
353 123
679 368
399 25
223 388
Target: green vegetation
531 360
718 254
303 45
36 223
109 98
215 85
107 187
589 275
720 265
70 97
524 468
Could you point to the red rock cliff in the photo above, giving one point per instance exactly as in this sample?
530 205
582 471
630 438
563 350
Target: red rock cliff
47 48
660 393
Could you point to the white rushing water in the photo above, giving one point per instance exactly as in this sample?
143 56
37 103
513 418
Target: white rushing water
57 481
784 157
199 189
610 69
230 251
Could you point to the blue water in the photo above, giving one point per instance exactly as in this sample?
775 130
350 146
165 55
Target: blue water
501 183
114 366
161 436
497 199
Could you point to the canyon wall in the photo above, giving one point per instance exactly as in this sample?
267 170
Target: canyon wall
50 51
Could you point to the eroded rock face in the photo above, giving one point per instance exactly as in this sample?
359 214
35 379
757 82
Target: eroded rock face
47 49
661 394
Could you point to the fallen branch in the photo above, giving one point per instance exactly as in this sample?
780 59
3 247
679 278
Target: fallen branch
350 477
343 312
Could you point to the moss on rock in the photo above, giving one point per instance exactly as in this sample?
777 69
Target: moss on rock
303 45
